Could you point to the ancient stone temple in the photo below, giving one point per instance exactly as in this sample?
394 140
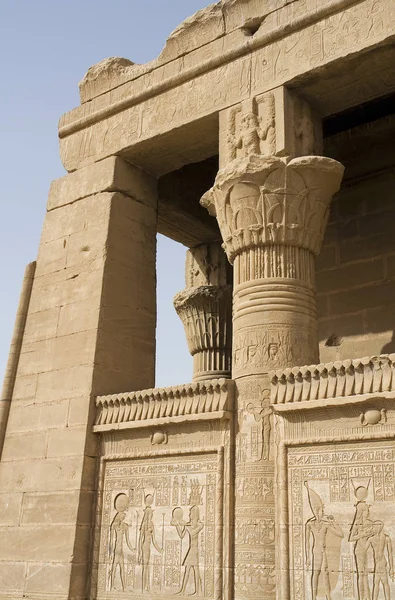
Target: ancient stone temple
262 139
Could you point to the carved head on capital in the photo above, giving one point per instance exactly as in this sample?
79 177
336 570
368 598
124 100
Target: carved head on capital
250 121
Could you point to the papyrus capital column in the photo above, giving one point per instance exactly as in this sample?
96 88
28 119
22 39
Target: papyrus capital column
205 308
271 198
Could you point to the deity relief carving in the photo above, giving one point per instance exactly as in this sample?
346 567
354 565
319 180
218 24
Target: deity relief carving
348 555
148 546
119 532
147 539
256 133
253 489
257 579
255 431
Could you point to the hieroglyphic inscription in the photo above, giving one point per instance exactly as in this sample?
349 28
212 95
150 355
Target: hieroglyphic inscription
342 534
157 530
336 36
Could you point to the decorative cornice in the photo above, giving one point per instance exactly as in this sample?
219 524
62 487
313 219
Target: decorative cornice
264 200
206 400
339 382
249 45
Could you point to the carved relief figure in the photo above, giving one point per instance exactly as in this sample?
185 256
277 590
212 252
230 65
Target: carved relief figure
273 357
264 416
191 560
381 544
256 430
146 539
119 531
360 532
317 529
251 135
304 131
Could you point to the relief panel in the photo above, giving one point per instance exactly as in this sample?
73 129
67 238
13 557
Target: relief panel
157 527
260 349
342 531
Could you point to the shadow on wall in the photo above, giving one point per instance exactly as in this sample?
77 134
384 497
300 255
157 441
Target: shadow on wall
390 347
356 268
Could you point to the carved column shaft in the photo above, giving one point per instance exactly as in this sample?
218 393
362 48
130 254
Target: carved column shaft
272 210
205 308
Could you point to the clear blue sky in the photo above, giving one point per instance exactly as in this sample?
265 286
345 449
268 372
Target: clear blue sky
46 47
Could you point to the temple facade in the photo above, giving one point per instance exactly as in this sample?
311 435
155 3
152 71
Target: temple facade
262 139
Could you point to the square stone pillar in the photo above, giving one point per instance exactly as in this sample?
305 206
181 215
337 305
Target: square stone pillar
90 330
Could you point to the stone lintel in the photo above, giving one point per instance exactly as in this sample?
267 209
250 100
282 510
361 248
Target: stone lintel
130 109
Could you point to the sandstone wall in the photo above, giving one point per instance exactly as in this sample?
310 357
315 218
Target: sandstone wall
356 270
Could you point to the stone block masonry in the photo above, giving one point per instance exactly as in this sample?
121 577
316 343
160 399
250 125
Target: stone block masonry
263 478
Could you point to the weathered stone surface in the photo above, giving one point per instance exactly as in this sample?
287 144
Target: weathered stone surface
278 483
111 175
102 77
288 32
202 28
67 356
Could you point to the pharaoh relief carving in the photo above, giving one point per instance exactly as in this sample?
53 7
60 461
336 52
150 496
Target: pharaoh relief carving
341 507
158 527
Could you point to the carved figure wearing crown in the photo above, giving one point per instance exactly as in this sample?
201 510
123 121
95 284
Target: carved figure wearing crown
146 540
191 560
362 529
317 529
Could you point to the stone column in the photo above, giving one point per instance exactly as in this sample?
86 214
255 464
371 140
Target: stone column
272 205
205 308
90 330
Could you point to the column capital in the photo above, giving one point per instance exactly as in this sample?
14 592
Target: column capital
262 200
205 309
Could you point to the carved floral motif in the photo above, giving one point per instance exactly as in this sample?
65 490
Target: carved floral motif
206 313
205 309
262 200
